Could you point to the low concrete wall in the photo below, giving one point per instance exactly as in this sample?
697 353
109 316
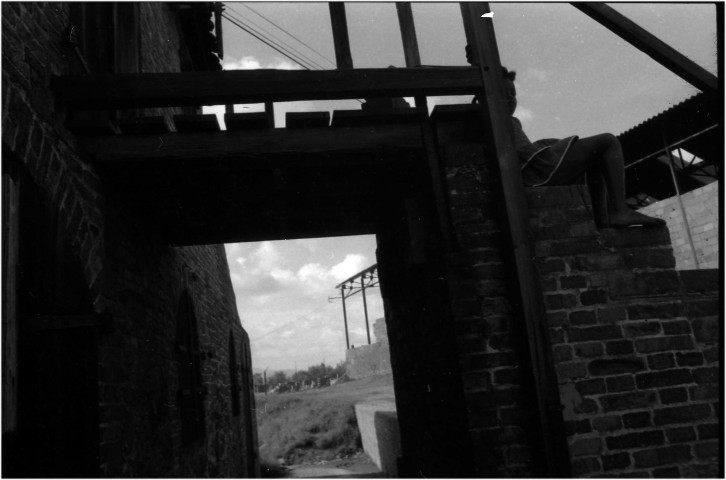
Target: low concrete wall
378 425
368 360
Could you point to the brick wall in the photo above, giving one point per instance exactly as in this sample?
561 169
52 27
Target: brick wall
490 335
701 206
130 272
635 343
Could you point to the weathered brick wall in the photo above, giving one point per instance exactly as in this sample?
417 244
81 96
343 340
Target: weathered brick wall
635 343
491 337
701 206
131 273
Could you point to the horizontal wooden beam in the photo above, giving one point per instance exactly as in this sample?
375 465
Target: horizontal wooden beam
651 45
143 90
258 148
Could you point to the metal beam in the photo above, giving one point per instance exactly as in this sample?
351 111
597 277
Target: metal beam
651 45
408 34
480 35
146 90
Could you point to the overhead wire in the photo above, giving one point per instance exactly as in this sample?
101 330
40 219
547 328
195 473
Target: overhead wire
267 42
279 40
286 32
290 322
238 22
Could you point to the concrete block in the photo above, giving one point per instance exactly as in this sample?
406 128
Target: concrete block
378 426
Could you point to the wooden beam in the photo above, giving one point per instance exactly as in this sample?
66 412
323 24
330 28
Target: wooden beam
408 34
651 45
146 90
254 147
498 132
343 57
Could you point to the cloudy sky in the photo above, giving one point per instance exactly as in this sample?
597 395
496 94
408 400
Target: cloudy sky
574 77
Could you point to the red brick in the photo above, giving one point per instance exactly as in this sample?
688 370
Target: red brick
582 317
627 401
706 375
680 434
686 414
701 308
677 327
616 366
590 387
628 284
593 297
573 281
659 344
698 281
689 359
585 466
661 361
608 423
663 378
600 332
635 237
554 265
616 462
635 440
704 392
594 263
619 347
706 330
611 314
560 301
673 395
574 427
623 383
590 349
557 319
571 370
667 472
662 456
641 329
657 311
562 353
637 420
708 450
707 432
581 447
653 258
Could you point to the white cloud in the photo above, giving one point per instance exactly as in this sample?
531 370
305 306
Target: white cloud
524 114
312 271
352 264
267 256
538 74
250 62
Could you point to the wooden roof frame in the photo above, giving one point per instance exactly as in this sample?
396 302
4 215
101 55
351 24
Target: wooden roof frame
226 88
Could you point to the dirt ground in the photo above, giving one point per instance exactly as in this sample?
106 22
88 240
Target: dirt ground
358 466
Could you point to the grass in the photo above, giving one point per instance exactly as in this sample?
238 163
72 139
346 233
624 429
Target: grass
315 425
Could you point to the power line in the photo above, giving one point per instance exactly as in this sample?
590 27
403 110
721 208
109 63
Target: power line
271 38
288 33
290 322
248 30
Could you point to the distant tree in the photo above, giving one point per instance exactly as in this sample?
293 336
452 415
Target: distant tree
339 369
300 376
276 379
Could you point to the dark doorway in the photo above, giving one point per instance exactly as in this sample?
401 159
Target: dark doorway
57 423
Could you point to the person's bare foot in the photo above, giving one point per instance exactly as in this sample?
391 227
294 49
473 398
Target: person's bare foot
631 218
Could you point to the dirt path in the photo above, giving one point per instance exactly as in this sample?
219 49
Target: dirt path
359 466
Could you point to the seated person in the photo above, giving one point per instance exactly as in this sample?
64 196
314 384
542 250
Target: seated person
564 161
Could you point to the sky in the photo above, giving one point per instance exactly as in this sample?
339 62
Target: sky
574 77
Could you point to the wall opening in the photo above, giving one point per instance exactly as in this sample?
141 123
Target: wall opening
309 373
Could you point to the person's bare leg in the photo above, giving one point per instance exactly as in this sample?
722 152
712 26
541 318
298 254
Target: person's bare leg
599 196
604 154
